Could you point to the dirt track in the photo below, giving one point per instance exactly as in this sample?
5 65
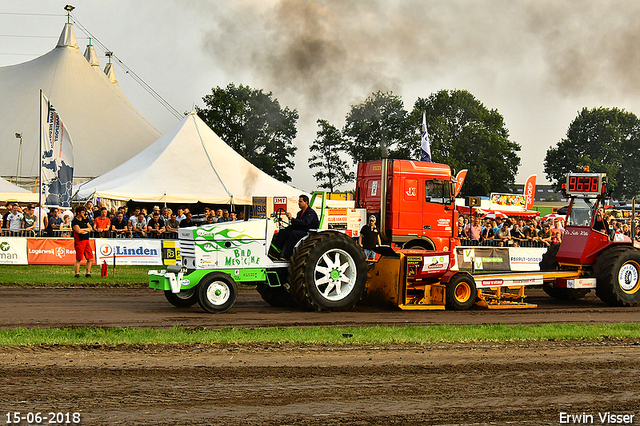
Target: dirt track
274 385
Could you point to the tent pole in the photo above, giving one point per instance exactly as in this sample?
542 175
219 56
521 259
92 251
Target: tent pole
40 210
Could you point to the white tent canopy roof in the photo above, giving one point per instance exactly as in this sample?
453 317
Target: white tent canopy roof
105 128
11 192
190 163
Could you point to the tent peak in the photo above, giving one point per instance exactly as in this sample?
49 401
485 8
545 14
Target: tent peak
91 56
67 37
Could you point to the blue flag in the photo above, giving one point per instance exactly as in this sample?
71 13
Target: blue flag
425 146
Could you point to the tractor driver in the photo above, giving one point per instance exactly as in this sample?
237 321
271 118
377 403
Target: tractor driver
298 228
600 224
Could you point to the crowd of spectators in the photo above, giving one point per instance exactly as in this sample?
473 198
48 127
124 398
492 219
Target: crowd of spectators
22 221
534 232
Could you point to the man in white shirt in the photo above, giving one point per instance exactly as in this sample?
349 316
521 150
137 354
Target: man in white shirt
14 220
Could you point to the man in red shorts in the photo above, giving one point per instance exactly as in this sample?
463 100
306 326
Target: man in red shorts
81 232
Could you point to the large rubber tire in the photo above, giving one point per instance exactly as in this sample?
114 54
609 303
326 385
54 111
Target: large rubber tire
618 272
217 292
549 263
328 272
184 299
276 296
461 292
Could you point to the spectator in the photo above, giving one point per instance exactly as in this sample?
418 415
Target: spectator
81 230
225 216
516 234
209 220
89 211
155 209
545 235
475 231
187 221
54 222
232 217
173 224
503 235
133 220
5 223
181 216
241 215
65 227
29 222
155 227
120 227
140 228
219 214
556 232
14 221
102 224
166 214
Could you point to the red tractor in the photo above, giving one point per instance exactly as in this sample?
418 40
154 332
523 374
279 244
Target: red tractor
613 259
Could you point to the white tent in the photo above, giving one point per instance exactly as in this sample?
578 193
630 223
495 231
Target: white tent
106 129
11 192
190 163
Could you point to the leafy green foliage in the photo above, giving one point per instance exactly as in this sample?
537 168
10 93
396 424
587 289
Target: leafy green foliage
466 135
254 125
332 170
605 139
380 120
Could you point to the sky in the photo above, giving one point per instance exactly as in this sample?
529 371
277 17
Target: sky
537 62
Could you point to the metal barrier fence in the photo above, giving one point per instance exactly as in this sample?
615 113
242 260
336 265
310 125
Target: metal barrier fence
67 233
503 243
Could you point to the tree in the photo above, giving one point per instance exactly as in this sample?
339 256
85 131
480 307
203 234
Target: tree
333 171
605 139
253 124
380 119
466 135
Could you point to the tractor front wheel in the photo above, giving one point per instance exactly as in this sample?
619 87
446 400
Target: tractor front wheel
183 299
618 272
217 292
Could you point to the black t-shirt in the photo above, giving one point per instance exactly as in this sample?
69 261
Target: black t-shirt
119 225
83 224
369 237
152 223
184 224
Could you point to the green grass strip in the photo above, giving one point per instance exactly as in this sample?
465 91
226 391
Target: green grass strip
377 335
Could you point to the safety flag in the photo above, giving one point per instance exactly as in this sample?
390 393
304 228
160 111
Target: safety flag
425 145
57 158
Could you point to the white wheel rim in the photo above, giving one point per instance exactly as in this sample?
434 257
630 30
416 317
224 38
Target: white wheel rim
335 275
628 277
218 293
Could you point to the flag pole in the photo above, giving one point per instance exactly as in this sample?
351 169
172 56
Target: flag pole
40 221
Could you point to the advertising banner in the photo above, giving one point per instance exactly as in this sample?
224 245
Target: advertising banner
525 259
171 252
53 251
129 251
483 258
13 251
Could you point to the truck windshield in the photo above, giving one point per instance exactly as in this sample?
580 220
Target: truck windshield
581 212
437 191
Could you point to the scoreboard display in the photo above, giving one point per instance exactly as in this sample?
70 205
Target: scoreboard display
585 183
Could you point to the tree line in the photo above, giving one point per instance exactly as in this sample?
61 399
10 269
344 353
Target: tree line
463 134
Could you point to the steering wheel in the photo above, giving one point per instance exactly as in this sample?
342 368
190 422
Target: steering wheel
281 217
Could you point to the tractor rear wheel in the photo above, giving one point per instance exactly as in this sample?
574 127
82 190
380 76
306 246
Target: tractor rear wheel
549 263
328 271
183 299
217 292
276 296
461 292
617 270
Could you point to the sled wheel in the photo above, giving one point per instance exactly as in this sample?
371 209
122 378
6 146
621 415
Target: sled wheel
276 296
217 292
549 263
618 272
183 299
328 271
461 292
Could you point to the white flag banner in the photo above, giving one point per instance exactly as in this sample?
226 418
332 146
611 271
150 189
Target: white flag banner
425 145
57 158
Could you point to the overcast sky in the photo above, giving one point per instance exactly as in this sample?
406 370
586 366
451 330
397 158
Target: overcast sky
537 62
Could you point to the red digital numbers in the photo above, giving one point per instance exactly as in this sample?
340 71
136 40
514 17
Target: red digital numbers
584 183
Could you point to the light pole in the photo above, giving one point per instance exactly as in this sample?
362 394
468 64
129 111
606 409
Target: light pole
19 165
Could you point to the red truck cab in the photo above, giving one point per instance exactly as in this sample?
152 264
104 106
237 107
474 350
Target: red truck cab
419 211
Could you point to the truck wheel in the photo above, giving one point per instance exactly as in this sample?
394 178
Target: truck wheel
461 292
328 271
276 296
618 273
549 263
184 299
217 292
